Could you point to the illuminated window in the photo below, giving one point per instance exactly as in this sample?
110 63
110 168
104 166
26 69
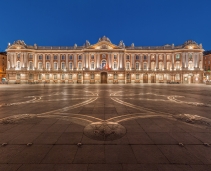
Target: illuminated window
137 65
177 77
137 76
30 65
48 65
92 76
128 76
40 76
47 76
63 76
177 56
127 65
115 65
104 63
55 65
63 65
18 76
18 65
55 76
79 76
115 76
92 65
145 65
71 65
79 65
160 77
31 76
160 65
70 76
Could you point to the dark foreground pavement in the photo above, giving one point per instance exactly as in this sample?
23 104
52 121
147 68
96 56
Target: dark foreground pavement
105 127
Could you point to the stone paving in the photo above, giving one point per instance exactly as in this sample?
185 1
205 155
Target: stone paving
105 127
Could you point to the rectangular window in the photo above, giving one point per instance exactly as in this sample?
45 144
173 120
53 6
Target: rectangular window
145 65
55 76
71 77
137 76
92 76
31 76
115 76
63 76
63 57
55 57
92 65
137 65
55 65
30 56
18 65
115 57
40 57
18 76
145 57
137 57
115 65
71 65
92 57
40 76
79 57
160 77
79 76
30 65
63 65
127 57
40 65
79 66
127 65
47 76
47 65
128 76
71 57
177 77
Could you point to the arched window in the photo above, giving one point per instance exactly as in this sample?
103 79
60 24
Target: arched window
103 63
63 57
177 56
63 65
55 57
145 57
137 57
48 57
92 57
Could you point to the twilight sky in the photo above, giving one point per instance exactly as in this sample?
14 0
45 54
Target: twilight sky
142 22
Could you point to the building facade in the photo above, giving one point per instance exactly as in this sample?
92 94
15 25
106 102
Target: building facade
3 66
105 62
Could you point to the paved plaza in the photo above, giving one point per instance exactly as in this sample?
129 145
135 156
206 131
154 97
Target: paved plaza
130 127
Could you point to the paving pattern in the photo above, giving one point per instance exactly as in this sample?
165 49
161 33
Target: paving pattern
105 127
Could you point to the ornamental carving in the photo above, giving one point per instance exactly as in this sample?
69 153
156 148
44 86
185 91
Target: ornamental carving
104 38
19 42
189 42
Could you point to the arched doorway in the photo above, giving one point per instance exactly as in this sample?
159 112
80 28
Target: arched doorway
103 77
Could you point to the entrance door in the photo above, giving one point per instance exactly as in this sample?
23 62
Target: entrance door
104 77
153 79
145 78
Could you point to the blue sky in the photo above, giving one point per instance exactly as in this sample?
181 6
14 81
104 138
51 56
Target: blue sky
142 22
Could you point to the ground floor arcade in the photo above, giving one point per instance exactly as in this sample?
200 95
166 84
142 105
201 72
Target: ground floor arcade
90 77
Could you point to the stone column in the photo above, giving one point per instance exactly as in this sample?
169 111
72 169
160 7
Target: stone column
75 61
133 61
149 61
172 61
165 63
35 60
123 61
156 65
67 62
186 61
183 60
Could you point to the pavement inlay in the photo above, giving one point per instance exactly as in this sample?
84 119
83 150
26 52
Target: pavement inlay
109 127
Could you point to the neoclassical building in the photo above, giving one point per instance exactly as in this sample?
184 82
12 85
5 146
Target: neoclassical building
105 62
